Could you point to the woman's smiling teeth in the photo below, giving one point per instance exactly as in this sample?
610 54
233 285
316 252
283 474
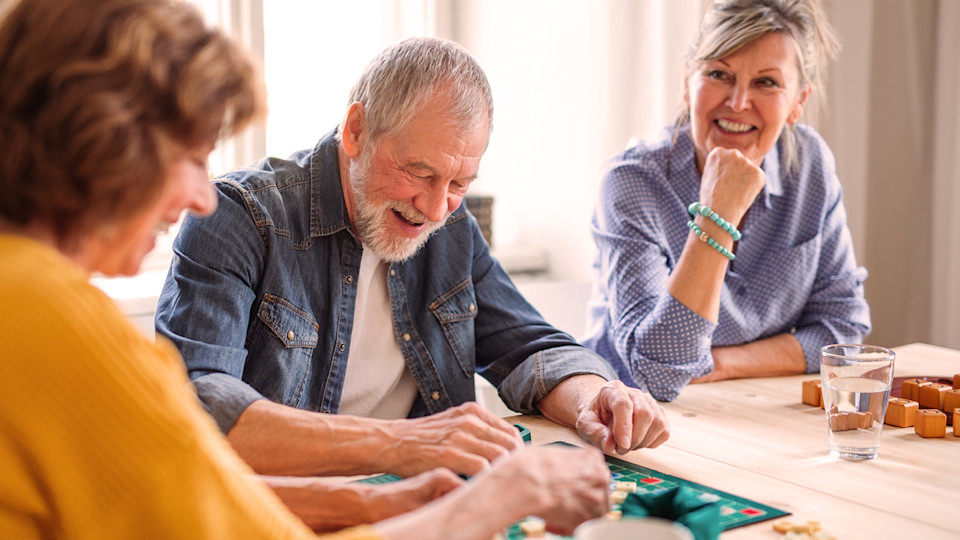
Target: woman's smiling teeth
734 127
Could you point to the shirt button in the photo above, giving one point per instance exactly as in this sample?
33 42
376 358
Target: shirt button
472 308
342 346
406 336
435 395
291 335
393 272
348 279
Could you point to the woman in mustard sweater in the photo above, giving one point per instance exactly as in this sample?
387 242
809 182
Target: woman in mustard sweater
108 111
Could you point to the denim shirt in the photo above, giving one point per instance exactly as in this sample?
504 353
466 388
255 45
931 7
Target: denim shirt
260 301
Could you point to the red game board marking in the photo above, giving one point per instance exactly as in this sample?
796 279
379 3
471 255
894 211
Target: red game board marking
751 511
651 480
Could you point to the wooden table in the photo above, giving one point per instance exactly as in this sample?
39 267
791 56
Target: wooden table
756 439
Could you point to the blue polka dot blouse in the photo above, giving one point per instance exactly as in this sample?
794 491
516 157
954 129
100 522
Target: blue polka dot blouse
795 269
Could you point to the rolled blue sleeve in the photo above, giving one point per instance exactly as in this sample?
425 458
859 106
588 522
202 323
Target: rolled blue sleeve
204 307
539 374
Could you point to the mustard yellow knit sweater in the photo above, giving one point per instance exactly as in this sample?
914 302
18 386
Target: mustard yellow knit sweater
101 436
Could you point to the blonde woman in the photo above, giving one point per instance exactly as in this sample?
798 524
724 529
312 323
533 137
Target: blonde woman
723 249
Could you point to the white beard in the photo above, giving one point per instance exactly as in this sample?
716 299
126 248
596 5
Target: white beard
371 220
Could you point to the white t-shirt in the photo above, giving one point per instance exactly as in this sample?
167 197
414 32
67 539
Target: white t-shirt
377 383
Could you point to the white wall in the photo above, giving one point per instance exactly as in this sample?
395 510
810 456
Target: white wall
572 82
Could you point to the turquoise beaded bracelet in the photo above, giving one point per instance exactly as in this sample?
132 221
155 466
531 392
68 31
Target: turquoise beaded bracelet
710 241
705 211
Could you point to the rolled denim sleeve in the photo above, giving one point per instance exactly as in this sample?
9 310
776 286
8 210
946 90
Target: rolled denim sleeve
224 397
205 305
539 374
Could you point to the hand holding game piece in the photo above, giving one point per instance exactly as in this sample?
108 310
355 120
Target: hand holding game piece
621 418
563 486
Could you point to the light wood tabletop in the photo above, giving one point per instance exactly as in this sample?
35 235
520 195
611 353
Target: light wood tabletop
756 439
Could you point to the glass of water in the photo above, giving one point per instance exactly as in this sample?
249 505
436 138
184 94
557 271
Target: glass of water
856 381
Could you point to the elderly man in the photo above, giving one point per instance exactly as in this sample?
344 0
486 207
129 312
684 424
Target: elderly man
349 279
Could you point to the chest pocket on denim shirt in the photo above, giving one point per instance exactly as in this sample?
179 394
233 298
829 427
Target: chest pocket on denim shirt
456 310
282 373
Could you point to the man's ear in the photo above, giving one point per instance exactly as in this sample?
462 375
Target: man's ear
797 111
354 129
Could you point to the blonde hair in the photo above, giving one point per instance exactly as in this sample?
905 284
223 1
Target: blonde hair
98 96
730 25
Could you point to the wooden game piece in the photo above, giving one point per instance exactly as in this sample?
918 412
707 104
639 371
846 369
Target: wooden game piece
956 380
930 423
910 389
956 422
812 394
614 515
533 528
617 497
865 419
628 487
901 412
845 421
951 400
931 395
782 526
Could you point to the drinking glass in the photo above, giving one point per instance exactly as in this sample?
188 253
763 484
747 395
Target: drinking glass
856 381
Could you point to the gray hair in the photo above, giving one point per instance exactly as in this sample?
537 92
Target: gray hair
730 25
396 84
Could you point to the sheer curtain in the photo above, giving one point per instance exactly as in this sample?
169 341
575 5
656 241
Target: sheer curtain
894 126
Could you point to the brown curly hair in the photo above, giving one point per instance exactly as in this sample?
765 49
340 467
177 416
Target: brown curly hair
98 96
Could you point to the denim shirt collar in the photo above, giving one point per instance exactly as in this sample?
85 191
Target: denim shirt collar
328 208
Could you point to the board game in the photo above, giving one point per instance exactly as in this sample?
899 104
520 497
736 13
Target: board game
735 511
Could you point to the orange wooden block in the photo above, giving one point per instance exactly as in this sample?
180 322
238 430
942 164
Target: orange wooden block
812 394
956 422
845 421
956 380
931 395
901 412
931 423
910 389
951 400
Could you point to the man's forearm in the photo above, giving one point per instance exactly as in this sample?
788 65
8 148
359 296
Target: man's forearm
279 440
564 403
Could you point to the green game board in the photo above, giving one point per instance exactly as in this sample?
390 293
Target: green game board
735 511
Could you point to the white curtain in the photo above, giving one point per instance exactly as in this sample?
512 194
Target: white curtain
572 82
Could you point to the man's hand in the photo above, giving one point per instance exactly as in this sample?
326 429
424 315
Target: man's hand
623 419
464 439
610 415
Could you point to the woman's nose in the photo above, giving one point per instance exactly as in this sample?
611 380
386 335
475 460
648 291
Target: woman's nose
739 99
